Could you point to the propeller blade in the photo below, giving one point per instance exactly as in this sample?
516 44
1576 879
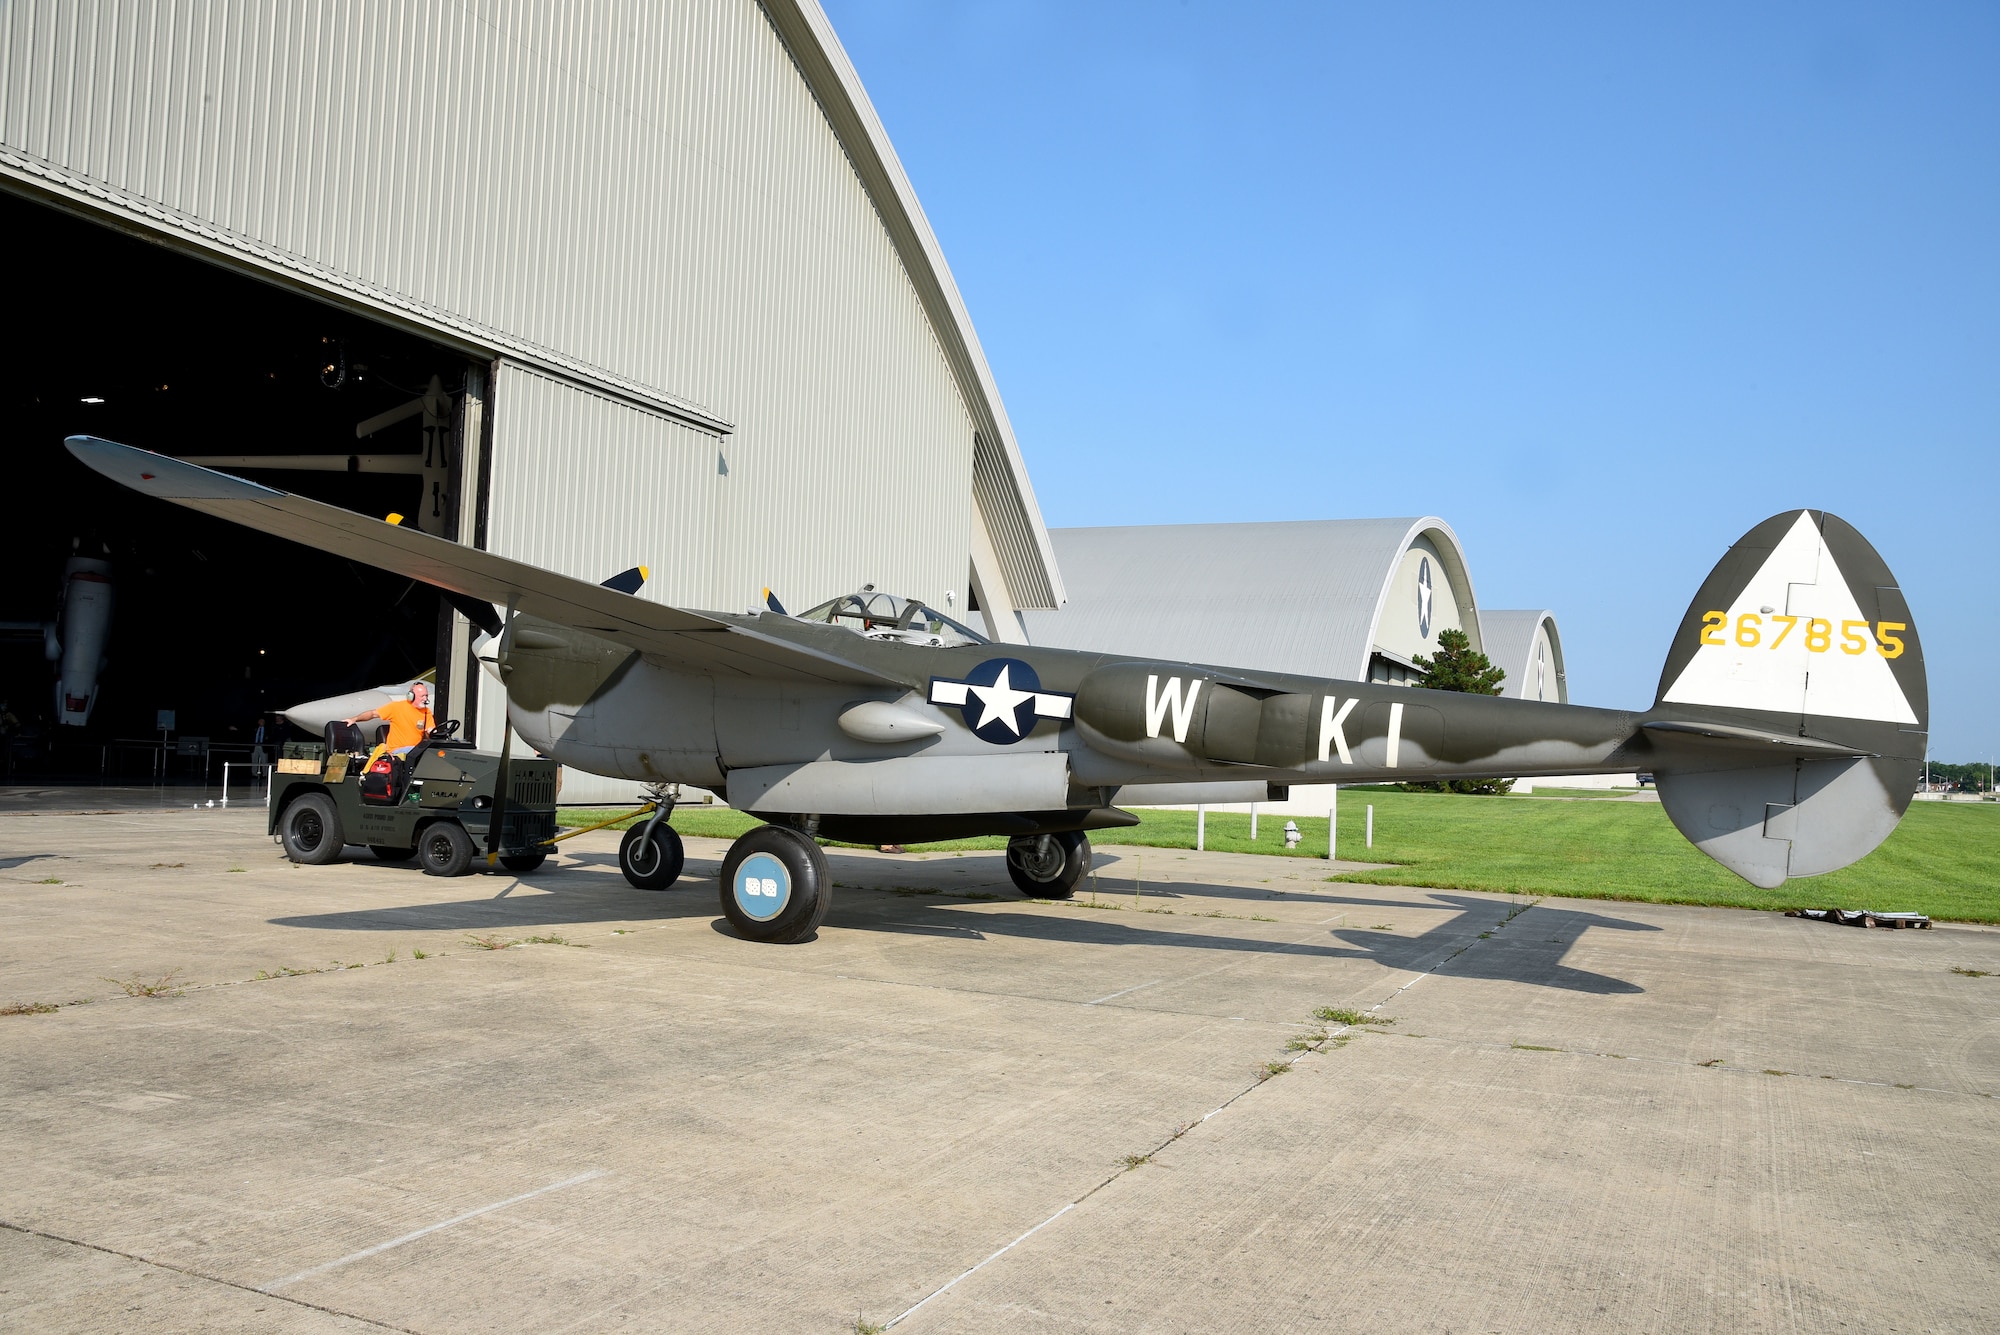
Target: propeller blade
503 777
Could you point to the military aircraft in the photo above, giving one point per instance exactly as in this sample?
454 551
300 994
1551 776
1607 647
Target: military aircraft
1786 737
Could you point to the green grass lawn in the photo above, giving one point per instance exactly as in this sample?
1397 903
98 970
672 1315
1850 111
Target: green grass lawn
1944 859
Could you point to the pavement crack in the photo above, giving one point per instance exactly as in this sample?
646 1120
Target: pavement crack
193 1273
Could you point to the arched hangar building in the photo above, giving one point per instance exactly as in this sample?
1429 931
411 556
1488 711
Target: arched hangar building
672 296
1354 598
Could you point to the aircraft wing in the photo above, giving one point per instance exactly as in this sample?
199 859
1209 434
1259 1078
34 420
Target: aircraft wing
673 636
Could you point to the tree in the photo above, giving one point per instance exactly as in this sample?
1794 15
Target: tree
1457 666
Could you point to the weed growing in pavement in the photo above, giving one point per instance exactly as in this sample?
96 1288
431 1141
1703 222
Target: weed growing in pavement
863 1326
167 866
1712 1061
1533 1047
1772 1070
491 941
284 971
50 880
1341 1015
907 890
389 958
1383 927
419 954
29 1008
551 941
621 931
137 987
1136 1160
1269 1069
1971 973
239 869
977 894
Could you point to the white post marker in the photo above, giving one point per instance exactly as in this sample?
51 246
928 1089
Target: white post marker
1333 824
1371 825
1253 822
1200 827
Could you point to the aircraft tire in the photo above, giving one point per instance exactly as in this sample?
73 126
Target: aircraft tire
1048 866
775 885
445 848
387 854
653 864
311 830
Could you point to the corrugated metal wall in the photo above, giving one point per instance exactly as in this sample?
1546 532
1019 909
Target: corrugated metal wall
643 196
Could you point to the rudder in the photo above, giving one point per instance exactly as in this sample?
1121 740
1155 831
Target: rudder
1792 711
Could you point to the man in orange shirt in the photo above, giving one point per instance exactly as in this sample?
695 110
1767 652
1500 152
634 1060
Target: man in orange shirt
409 720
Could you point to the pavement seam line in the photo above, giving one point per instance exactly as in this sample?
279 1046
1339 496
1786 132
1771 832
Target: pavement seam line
192 1273
1344 1030
269 1286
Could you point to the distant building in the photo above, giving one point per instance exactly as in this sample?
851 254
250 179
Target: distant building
1354 598
1527 645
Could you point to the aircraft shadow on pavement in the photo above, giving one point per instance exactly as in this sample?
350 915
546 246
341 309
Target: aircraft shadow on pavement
1528 950
555 896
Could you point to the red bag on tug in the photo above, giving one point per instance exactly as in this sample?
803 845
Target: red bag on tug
383 781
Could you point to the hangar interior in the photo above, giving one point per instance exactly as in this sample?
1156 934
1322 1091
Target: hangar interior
119 337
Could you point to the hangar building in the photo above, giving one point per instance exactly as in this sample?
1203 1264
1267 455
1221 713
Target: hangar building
1527 644
1353 598
670 294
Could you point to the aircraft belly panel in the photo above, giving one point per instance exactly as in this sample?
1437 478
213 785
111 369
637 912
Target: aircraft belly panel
906 785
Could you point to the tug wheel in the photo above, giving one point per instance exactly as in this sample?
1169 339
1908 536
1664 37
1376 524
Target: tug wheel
446 849
523 863
311 830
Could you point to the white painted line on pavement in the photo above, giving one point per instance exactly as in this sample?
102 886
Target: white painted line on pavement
1134 988
381 1247
989 1260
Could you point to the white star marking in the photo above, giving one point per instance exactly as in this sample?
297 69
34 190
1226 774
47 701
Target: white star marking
1001 700
1424 594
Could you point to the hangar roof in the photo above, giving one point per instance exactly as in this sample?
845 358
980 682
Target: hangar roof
1511 638
1000 476
1306 596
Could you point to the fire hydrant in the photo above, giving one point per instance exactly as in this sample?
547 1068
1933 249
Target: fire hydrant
1291 834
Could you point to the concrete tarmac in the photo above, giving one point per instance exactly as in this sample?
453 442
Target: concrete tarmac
957 1110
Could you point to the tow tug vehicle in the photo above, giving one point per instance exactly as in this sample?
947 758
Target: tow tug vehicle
436 803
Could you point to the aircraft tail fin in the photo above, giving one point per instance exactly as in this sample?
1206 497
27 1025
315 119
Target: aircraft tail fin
1792 713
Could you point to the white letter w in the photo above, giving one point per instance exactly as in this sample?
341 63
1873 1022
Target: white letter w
1158 704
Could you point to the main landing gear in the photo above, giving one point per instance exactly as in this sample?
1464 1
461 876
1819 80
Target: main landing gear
775 884
1048 866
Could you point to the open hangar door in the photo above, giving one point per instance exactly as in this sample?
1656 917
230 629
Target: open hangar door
139 342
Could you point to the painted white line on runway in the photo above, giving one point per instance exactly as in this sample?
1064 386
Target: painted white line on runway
1134 988
381 1247
982 1265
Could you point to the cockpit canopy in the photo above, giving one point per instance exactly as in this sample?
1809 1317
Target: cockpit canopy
884 616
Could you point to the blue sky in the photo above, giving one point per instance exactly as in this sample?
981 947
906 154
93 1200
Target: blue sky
1602 287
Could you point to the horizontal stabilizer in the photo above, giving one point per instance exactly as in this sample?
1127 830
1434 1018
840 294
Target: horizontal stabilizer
1728 734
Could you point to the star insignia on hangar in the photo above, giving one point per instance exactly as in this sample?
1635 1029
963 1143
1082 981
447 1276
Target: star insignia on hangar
1001 699
1424 597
